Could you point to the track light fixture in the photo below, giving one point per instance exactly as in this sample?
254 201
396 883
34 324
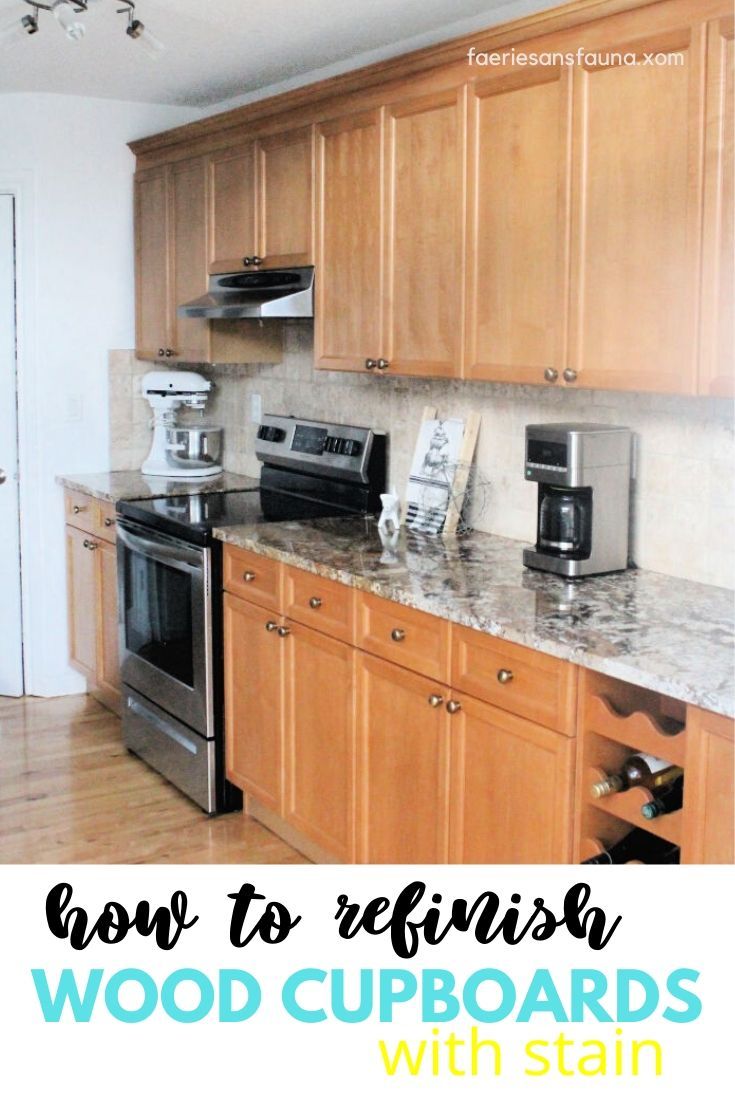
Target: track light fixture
66 13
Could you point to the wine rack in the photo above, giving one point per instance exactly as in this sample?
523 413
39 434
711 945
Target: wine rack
616 721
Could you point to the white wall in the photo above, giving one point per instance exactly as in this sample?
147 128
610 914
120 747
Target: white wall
67 160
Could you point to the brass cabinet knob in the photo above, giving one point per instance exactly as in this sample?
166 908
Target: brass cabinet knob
551 374
79 509
398 635
271 625
247 261
371 364
256 260
171 352
453 706
436 700
90 545
161 351
570 376
383 365
109 521
248 576
283 632
315 602
504 676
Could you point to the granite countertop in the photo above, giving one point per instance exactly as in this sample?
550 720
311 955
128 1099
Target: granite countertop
666 634
132 485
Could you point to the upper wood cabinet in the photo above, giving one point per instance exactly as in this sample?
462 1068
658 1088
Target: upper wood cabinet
349 229
171 235
636 213
717 364
152 300
423 254
518 227
261 205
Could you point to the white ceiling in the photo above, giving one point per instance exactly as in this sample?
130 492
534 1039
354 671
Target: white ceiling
229 49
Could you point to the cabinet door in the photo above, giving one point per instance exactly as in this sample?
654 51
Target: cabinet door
717 366
188 236
108 651
402 770
286 199
253 701
636 211
152 291
81 582
233 222
511 789
348 323
518 227
320 739
708 789
424 234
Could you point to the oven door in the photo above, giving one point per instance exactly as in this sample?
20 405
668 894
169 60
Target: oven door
165 623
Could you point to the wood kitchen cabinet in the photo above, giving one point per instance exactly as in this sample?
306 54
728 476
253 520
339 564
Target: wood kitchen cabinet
349 227
518 225
253 701
261 205
403 765
717 364
636 209
91 563
710 768
171 234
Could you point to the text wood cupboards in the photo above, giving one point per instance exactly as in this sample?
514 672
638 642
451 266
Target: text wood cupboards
261 203
717 364
636 209
518 225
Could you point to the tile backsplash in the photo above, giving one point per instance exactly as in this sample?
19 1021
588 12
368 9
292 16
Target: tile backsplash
683 514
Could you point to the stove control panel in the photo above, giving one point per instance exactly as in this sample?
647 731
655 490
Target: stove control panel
319 447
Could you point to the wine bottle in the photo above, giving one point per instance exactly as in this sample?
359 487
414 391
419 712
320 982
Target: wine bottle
637 845
665 802
641 770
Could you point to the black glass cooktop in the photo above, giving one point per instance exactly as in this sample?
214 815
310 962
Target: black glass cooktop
192 517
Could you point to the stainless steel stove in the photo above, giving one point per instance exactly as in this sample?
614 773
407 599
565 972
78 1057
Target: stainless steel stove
170 589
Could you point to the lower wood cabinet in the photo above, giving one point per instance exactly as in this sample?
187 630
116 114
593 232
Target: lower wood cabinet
91 566
289 732
403 765
512 788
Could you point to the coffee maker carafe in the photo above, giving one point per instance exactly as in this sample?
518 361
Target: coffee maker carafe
583 476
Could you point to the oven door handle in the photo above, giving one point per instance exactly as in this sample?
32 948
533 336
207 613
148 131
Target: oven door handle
184 558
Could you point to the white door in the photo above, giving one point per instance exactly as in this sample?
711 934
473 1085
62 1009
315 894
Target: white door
11 631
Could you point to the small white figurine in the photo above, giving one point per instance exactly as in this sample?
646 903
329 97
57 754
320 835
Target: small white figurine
390 516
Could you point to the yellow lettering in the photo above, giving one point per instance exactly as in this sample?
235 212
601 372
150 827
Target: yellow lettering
403 1053
530 1052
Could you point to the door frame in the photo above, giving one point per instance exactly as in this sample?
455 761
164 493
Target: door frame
21 187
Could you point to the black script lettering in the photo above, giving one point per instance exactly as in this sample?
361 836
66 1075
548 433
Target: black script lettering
273 926
589 926
115 923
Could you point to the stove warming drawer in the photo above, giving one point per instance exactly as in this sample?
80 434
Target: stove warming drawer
173 749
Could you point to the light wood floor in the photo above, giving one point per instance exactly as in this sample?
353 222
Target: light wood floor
71 793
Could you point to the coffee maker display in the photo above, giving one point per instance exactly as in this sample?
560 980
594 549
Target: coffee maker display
583 476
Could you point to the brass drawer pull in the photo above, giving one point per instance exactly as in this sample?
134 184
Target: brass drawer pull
271 625
283 632
90 545
77 509
398 635
453 706
436 700
315 602
249 576
504 676
109 521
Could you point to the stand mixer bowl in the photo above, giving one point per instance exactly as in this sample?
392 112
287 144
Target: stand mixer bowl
191 447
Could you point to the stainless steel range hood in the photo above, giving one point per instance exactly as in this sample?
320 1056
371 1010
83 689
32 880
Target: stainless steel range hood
280 293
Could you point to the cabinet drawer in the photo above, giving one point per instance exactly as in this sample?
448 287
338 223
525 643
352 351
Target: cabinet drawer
515 678
402 635
318 603
79 511
253 576
104 521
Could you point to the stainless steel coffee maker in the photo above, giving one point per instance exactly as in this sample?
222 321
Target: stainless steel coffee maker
583 475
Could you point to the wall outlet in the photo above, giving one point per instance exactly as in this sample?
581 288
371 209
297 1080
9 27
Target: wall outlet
256 408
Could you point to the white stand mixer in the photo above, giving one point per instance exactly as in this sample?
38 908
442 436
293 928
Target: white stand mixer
165 391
